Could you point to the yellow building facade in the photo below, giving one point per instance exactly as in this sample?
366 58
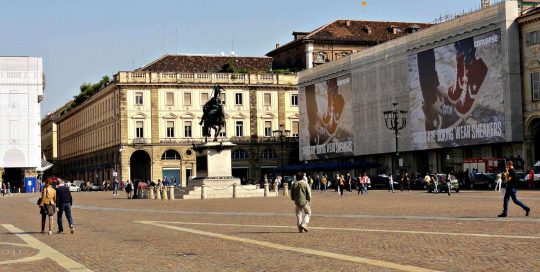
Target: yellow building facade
143 126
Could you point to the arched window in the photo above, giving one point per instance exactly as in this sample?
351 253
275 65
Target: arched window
268 154
170 155
240 154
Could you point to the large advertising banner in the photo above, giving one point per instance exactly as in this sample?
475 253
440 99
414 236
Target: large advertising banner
456 93
326 123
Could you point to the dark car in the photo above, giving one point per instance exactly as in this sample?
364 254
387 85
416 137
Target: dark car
381 181
483 180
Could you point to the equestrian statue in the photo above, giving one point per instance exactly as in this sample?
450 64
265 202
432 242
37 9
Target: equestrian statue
213 115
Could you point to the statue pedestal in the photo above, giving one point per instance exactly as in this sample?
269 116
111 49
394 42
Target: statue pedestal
218 156
219 183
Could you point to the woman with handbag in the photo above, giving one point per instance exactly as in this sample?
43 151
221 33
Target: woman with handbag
47 205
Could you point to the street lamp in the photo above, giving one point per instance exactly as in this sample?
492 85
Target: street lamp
395 120
282 134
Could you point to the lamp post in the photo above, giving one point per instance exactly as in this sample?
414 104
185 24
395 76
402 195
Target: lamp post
395 120
282 134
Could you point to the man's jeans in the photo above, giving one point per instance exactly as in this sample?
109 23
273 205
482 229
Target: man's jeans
67 208
511 193
306 210
115 189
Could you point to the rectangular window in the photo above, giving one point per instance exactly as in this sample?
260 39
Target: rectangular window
267 128
138 99
223 132
239 128
13 99
535 86
238 99
294 100
222 98
170 129
533 37
295 126
187 99
139 132
204 98
13 131
170 99
267 99
187 129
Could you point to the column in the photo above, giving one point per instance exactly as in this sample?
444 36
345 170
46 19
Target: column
183 178
309 55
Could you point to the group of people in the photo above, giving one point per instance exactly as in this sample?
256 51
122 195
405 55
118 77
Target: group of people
55 197
6 188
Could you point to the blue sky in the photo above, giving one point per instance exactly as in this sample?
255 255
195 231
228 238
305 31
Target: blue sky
80 41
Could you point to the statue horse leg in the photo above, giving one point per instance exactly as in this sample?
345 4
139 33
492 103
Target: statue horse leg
217 130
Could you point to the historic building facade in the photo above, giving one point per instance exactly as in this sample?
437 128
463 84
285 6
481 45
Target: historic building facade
336 40
529 24
144 123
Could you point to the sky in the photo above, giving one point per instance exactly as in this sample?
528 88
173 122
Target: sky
81 41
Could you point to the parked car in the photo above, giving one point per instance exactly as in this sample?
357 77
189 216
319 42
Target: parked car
74 188
483 179
442 186
95 187
381 181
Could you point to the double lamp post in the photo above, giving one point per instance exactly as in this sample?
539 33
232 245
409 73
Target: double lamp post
395 120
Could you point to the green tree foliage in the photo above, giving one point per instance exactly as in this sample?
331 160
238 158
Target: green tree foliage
87 90
231 67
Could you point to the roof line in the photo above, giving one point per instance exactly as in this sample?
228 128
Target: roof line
318 29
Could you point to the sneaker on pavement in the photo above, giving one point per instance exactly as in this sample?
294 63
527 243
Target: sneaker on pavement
502 215
527 211
72 229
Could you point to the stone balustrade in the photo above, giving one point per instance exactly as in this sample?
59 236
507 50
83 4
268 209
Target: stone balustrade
209 78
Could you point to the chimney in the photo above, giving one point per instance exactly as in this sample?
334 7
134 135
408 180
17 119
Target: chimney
485 3
277 45
348 23
367 29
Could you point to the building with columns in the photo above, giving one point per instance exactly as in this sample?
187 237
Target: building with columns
144 123
335 40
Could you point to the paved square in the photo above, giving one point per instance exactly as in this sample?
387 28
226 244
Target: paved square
405 231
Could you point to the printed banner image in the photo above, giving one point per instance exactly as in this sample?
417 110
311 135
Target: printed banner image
326 120
456 93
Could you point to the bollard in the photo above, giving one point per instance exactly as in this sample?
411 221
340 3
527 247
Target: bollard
151 193
275 187
158 193
285 189
164 193
234 192
266 189
203 191
171 192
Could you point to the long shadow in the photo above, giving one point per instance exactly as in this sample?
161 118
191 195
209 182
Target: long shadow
264 232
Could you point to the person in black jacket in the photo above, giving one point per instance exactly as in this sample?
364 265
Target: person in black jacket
511 184
64 201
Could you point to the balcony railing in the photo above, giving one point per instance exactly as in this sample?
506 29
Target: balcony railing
234 139
208 78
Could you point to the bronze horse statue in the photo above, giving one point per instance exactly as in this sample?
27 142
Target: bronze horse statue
213 115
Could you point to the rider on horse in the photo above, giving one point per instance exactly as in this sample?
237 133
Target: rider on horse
213 116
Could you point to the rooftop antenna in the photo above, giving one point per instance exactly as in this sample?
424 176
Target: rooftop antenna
176 41
163 37
232 48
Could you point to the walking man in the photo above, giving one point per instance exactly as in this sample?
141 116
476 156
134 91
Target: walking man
115 187
301 195
511 185
391 184
64 203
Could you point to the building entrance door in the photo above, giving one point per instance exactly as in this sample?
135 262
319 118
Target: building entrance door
139 164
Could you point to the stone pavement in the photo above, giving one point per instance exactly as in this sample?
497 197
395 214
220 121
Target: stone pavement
405 231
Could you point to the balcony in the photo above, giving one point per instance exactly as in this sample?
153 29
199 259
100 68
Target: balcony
205 78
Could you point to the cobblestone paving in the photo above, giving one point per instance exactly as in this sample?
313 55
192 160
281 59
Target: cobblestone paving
415 229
